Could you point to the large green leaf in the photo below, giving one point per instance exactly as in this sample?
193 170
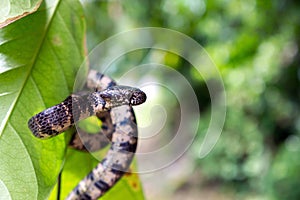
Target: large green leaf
39 57
12 10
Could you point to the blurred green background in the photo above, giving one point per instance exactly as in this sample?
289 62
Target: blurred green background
255 45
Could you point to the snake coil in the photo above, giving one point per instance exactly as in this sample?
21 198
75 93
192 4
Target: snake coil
112 104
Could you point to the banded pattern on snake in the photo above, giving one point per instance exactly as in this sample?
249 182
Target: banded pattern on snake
112 105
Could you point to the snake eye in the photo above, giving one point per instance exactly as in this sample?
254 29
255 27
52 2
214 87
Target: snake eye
138 97
105 95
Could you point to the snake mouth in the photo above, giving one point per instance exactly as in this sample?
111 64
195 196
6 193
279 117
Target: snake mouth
137 98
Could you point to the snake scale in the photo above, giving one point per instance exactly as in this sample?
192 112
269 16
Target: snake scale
112 104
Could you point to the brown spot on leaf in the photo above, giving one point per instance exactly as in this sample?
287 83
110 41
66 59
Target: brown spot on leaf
56 40
134 185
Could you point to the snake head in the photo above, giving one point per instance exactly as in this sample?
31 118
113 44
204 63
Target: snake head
138 97
123 95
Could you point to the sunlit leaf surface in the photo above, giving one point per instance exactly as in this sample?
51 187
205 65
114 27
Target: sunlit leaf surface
12 10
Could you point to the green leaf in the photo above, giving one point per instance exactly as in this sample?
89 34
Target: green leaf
39 57
12 10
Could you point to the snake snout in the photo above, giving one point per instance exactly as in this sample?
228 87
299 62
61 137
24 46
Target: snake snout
138 97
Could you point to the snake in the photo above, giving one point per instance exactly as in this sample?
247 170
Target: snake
112 104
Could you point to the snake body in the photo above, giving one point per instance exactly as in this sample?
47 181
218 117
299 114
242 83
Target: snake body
112 105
